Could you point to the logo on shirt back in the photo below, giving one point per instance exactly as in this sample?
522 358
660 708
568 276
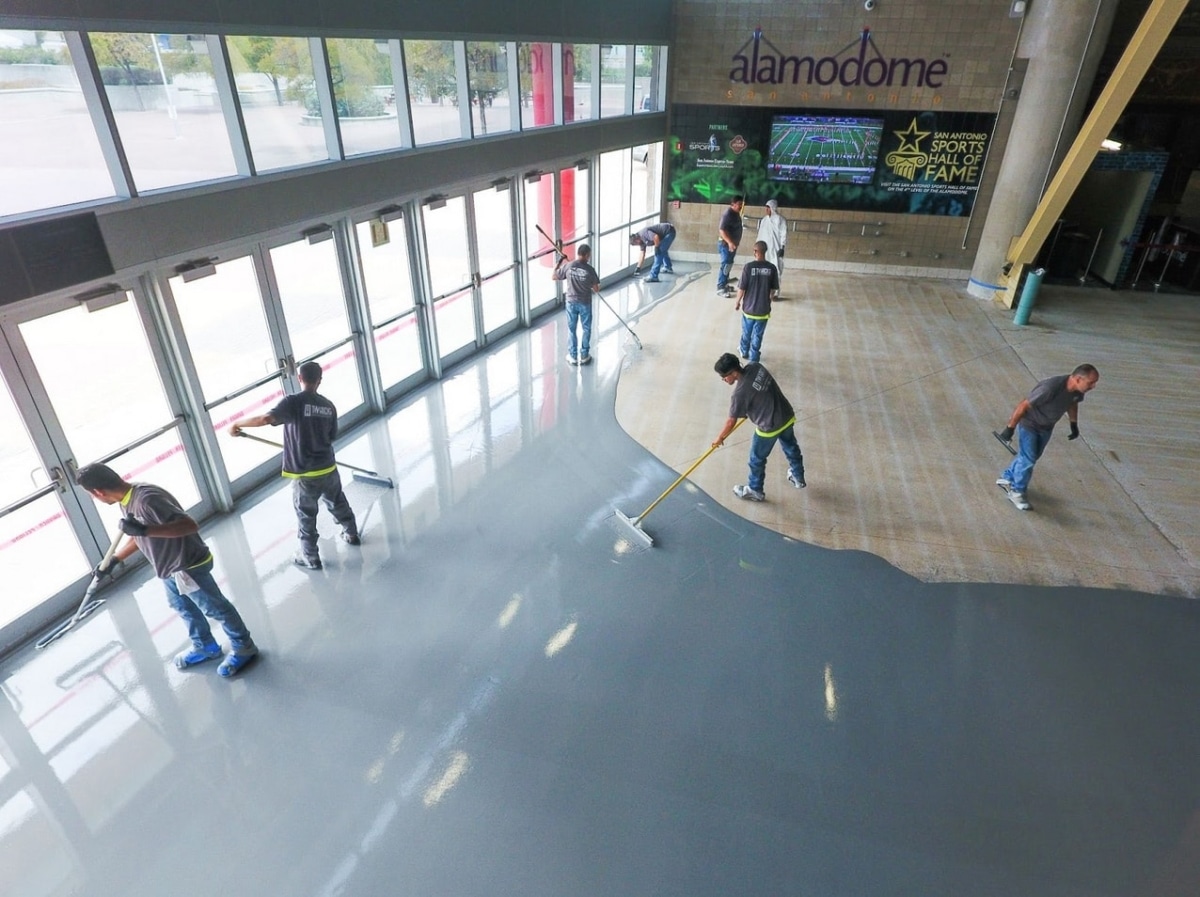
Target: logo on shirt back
317 411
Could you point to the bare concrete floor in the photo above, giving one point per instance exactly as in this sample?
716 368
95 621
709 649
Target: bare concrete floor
897 385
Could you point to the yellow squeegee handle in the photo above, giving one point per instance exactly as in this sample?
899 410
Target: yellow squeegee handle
683 476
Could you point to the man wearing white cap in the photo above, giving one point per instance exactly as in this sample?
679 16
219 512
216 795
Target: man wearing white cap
772 230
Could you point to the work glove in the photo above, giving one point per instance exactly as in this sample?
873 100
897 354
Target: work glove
98 573
1074 431
1007 434
132 527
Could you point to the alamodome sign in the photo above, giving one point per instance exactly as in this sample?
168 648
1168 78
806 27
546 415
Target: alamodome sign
767 64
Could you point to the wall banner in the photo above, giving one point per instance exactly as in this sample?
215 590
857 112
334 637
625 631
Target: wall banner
870 160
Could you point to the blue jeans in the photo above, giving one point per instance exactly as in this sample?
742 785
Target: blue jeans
726 255
1030 445
760 448
752 334
306 492
662 259
579 313
208 602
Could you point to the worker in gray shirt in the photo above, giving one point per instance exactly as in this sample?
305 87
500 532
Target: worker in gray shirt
170 540
1033 421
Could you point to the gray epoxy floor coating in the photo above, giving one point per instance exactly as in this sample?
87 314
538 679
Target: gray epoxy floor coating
498 694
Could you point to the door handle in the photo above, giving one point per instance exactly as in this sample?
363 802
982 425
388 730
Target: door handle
58 479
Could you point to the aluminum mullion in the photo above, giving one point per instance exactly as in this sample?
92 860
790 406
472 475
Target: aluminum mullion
514 87
212 462
155 325
400 88
231 105
103 123
464 90
359 314
323 84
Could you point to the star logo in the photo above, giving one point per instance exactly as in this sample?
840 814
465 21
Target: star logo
908 158
913 145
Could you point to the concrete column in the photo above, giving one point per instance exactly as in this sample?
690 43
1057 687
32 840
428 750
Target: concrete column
1063 41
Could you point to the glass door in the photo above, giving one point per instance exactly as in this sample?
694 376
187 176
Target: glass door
387 278
307 280
236 354
40 552
495 258
71 400
452 286
540 230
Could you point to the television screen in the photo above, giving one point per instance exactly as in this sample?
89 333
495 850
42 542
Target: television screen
833 149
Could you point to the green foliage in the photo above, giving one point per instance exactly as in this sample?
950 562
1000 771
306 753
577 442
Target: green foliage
124 58
582 55
354 102
430 69
356 61
33 56
285 60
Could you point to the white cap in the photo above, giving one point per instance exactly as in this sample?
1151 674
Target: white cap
772 204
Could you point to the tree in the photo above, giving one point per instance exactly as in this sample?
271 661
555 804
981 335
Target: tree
356 66
129 53
285 60
487 76
431 68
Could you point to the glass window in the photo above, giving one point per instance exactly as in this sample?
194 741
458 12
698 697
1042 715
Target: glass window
165 104
387 281
494 247
38 547
539 212
386 270
95 417
310 292
573 187
614 188
535 64
493 229
364 94
577 82
432 90
52 156
612 80
449 269
226 331
487 82
275 86
648 73
645 190
498 296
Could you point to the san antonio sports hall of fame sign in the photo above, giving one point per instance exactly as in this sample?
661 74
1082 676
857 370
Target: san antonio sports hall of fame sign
908 162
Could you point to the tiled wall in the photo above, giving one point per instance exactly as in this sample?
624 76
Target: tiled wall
974 38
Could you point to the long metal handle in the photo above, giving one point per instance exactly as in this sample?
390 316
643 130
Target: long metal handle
279 445
683 476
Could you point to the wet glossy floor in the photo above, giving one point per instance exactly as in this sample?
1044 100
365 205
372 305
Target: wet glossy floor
500 694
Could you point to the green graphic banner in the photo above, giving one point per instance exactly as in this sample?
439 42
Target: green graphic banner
918 163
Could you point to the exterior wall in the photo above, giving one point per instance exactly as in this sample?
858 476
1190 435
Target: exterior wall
975 39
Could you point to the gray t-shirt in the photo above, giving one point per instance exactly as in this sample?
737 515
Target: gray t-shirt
580 278
758 397
759 280
1048 402
154 505
310 426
